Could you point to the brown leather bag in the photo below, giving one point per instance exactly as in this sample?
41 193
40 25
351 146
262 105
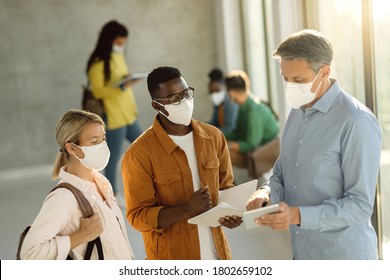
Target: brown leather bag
263 158
90 103
87 211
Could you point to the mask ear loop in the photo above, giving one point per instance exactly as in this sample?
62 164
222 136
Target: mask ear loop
159 103
162 105
75 155
319 86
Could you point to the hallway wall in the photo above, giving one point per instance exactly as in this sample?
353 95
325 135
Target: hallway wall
44 48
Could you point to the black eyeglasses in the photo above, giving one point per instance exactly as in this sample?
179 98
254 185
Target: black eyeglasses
178 97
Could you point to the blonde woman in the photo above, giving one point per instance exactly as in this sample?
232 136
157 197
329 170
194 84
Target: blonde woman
59 229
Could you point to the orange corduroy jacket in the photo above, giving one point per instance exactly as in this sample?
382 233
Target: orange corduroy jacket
156 174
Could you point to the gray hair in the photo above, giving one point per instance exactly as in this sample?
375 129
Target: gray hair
309 45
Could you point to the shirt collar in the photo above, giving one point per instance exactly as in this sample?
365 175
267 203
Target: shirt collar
168 144
325 102
84 185
250 100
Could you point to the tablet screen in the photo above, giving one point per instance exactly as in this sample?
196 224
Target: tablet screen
250 216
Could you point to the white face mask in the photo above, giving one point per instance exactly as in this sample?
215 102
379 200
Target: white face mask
218 97
118 48
179 114
95 157
299 94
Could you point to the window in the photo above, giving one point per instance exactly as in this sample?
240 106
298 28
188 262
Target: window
342 23
381 30
361 64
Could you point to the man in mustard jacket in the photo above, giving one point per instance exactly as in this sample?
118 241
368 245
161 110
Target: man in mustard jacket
173 172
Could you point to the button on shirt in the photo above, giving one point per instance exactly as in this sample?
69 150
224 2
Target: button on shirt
328 167
60 216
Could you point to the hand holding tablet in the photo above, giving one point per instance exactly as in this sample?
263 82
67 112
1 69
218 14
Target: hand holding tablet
250 216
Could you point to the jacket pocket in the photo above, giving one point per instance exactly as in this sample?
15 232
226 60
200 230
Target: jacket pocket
167 186
210 177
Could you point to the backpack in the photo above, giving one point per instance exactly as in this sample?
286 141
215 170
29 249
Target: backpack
90 103
87 211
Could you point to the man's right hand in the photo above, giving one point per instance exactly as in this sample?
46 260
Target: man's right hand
199 202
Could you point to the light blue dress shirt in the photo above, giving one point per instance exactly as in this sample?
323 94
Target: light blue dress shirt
328 167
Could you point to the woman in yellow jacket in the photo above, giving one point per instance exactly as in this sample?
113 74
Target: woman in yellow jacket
106 66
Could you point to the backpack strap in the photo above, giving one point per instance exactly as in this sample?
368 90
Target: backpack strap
87 211
84 204
99 248
21 238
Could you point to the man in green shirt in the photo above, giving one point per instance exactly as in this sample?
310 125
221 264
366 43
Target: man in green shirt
256 123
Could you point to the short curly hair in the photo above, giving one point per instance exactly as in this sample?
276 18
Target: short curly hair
161 75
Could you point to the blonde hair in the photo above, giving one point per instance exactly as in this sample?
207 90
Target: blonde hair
69 129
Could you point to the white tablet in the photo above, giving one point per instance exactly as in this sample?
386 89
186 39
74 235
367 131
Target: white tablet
250 216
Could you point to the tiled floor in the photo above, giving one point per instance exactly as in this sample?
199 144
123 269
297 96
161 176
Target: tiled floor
23 191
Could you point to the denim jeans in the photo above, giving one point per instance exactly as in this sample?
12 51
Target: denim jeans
115 139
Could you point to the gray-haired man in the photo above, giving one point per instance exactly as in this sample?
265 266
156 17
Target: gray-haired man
325 177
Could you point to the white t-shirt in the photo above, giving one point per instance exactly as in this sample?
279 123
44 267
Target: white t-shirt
186 143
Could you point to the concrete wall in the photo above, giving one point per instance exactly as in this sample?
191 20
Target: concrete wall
44 47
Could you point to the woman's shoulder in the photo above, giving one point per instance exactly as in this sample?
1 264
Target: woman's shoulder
59 203
63 192
97 63
61 196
